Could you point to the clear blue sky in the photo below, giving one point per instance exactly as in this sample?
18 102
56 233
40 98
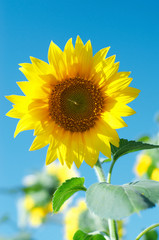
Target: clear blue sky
26 29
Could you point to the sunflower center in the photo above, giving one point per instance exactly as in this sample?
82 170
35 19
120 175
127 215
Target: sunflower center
76 104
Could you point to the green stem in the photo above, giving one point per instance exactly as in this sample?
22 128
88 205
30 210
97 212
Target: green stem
112 223
101 178
110 172
99 172
113 229
146 230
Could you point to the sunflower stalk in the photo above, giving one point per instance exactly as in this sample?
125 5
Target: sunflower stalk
101 177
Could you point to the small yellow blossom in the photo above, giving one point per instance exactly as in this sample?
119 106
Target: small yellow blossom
155 174
143 163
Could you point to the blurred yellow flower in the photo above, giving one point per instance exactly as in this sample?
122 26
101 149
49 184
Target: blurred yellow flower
74 103
72 219
28 202
155 174
143 163
61 172
40 187
37 216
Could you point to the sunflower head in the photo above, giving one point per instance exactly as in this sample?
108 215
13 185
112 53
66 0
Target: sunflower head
74 103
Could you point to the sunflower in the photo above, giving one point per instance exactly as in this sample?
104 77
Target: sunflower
74 103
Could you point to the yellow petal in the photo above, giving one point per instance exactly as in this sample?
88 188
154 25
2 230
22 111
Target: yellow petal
105 65
40 66
111 71
119 75
122 110
21 103
103 128
30 72
127 95
78 46
104 145
114 122
91 152
56 59
110 60
24 86
118 85
70 59
14 113
78 147
40 113
51 152
25 123
40 142
85 61
100 56
63 149
16 99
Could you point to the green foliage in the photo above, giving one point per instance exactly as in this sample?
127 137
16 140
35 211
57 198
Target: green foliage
90 222
106 160
151 235
66 190
144 138
126 146
79 235
116 202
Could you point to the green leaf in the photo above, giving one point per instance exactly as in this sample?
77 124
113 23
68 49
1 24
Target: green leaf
126 146
116 202
79 235
66 190
106 160
144 138
90 222
151 235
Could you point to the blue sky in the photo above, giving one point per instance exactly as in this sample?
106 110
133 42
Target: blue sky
27 27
